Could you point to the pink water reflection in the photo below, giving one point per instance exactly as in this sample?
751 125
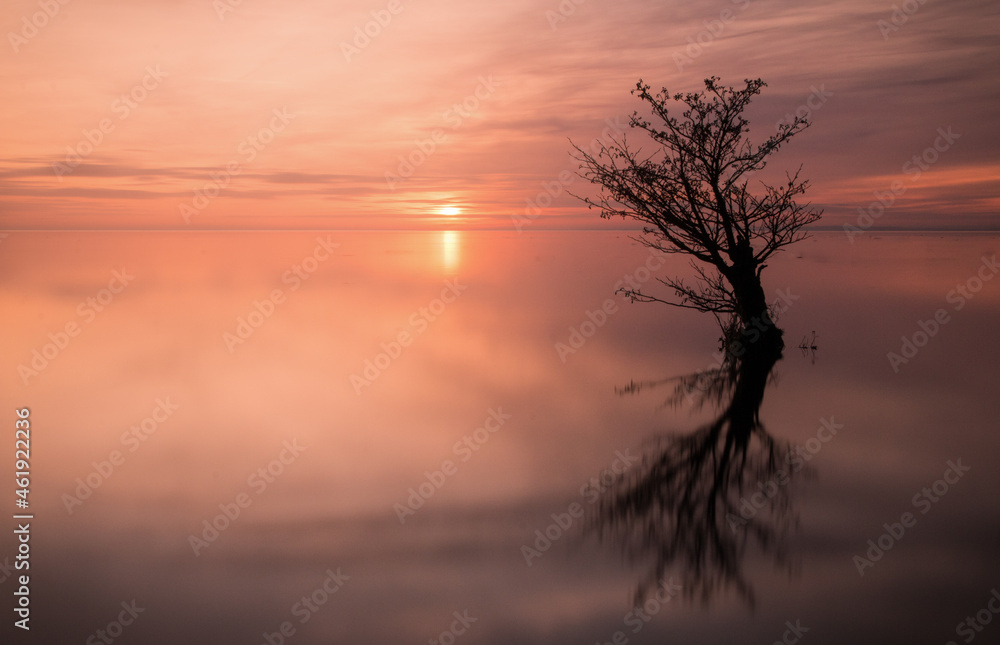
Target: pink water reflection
492 347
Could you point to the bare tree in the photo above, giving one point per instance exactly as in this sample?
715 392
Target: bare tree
692 194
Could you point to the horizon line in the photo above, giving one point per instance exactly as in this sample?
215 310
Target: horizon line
817 229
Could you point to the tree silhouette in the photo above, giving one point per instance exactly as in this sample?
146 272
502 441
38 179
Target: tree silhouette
692 194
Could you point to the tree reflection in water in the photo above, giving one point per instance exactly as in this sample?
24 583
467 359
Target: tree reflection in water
698 503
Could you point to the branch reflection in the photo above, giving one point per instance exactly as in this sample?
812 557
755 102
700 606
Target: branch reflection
699 502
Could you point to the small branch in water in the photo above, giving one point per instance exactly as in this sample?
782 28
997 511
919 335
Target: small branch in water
809 346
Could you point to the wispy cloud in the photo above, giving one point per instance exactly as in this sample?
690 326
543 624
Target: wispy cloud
557 80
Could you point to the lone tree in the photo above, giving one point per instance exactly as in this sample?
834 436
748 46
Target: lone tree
692 195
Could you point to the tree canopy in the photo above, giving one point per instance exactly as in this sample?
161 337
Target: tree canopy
692 194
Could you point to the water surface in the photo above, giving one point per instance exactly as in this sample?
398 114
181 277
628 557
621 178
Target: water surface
383 354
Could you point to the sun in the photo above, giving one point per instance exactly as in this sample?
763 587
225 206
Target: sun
450 211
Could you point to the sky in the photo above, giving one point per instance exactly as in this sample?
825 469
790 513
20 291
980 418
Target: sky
440 114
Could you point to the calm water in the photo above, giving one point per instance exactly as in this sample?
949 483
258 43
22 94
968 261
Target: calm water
406 410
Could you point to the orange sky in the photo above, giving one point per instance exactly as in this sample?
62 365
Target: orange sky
491 91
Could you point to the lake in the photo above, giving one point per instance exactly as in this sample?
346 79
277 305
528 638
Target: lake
387 437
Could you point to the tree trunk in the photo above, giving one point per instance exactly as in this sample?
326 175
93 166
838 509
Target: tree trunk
751 303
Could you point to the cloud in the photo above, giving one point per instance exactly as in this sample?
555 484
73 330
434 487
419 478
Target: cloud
559 78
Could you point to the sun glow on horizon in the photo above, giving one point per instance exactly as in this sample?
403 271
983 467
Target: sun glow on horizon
450 211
